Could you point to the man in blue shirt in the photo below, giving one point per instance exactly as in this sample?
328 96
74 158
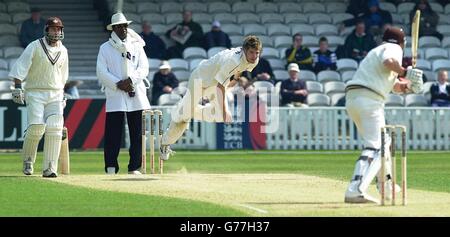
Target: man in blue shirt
154 46
32 29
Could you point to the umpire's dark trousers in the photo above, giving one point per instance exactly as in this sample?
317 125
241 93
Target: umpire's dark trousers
114 127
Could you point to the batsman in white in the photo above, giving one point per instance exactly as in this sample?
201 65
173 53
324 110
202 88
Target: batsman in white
211 79
375 78
44 65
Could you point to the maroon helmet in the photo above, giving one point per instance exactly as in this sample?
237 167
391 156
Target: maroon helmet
54 22
394 35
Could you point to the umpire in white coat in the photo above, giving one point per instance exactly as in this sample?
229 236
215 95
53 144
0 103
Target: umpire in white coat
122 68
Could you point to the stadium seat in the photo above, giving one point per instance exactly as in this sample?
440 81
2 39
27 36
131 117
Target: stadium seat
225 18
336 99
292 18
430 75
154 64
173 18
9 40
264 86
317 99
168 99
346 64
271 18
14 7
8 29
5 18
436 53
290 7
347 31
314 87
266 7
427 86
390 7
397 18
429 41
5 96
441 64
6 86
219 7
310 41
303 29
340 17
278 29
446 42
347 75
180 90
328 75
436 7
443 29
276 64
333 87
236 40
281 74
282 51
335 7
232 29
147 7
334 41
393 100
319 18
200 17
3 7
11 62
243 7
194 52
182 75
214 50
20 17
12 52
178 64
248 18
283 42
326 29
153 18
254 29
266 41
313 7
171 7
423 64
159 29
195 7
415 100
405 7
307 75
194 63
270 53
183 84
4 74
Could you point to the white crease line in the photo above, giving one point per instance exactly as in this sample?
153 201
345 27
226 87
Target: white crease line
253 208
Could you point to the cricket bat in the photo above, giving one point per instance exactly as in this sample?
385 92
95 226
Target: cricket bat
64 160
415 37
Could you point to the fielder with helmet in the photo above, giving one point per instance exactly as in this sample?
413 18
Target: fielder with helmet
366 93
44 66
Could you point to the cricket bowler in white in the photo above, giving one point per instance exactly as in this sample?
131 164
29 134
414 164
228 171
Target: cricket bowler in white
366 93
44 66
211 79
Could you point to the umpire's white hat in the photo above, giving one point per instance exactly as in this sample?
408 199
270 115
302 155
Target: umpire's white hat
118 19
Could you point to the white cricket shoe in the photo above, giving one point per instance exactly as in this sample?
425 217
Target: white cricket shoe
28 167
48 173
165 152
388 189
136 172
358 197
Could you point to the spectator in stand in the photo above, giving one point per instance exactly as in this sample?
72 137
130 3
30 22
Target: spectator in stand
357 7
324 59
299 54
216 37
376 19
154 46
164 82
262 72
185 34
440 91
293 91
33 28
359 43
428 19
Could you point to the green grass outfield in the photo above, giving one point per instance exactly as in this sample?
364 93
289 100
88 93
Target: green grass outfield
35 196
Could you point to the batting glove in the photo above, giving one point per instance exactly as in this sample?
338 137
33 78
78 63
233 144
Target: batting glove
18 96
415 77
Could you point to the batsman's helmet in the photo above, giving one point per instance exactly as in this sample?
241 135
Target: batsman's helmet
394 35
54 22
